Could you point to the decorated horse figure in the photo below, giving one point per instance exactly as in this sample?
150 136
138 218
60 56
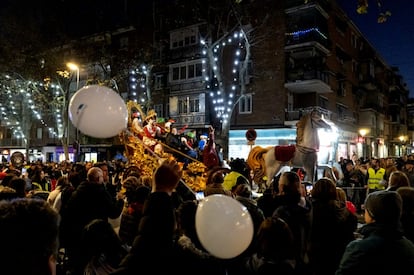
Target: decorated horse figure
269 161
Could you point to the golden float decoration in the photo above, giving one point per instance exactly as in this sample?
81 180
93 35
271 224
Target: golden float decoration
144 159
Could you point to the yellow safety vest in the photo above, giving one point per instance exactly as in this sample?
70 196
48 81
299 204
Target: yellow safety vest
375 177
230 180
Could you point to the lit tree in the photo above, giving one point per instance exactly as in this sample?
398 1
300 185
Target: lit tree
224 93
140 88
226 50
24 101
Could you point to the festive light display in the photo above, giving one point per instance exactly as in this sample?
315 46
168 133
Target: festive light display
138 78
22 99
223 94
306 32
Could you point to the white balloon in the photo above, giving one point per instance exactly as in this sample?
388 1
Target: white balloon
98 111
224 226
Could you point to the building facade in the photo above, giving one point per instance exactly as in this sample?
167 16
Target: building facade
274 61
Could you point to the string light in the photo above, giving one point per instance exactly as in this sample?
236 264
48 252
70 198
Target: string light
215 52
305 32
137 84
30 95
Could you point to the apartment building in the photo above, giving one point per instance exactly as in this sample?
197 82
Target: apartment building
310 56
280 60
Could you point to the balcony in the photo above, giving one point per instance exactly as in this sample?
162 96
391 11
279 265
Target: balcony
373 106
367 81
292 6
344 117
299 81
291 117
192 120
313 39
306 50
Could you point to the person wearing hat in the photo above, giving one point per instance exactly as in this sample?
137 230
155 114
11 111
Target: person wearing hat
136 124
151 130
383 248
409 170
353 184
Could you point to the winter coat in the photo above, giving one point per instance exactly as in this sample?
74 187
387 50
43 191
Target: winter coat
152 251
382 250
332 228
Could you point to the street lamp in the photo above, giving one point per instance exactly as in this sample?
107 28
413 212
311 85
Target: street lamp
363 132
73 67
402 139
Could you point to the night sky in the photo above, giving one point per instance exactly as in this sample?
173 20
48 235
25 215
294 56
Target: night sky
394 39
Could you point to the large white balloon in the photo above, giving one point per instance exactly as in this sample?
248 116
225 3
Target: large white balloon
98 111
224 226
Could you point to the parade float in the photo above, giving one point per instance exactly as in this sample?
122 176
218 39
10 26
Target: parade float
145 152
100 112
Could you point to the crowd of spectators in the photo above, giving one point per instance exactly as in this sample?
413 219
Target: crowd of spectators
107 218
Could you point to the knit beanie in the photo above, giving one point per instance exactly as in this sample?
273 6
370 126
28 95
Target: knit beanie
384 206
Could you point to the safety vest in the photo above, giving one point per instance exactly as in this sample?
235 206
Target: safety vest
230 180
375 177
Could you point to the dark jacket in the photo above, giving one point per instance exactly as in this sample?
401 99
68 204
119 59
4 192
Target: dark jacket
299 220
256 265
152 251
88 202
332 228
381 251
193 259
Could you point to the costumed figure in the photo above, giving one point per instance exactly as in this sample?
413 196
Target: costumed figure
136 126
151 130
210 157
187 148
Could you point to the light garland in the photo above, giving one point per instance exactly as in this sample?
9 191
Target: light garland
30 95
307 31
137 84
222 97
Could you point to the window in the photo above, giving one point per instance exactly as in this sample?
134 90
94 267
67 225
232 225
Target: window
159 110
194 105
198 70
39 133
371 69
183 72
176 73
184 37
182 106
245 104
354 41
341 110
191 71
188 105
158 82
323 102
380 101
186 71
342 89
354 66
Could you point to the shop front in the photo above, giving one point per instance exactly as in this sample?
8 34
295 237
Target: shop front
239 146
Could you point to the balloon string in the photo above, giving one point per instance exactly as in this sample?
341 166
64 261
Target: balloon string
79 112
